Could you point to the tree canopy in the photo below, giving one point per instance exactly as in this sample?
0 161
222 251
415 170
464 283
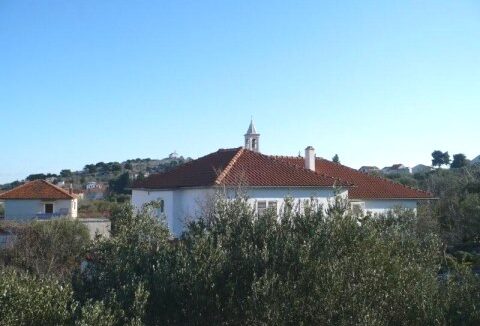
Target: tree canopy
459 161
440 158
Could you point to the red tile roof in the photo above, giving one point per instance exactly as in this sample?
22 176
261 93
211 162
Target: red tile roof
367 186
237 166
38 189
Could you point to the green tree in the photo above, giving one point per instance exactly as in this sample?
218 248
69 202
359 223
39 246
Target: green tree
132 271
66 173
30 300
120 184
90 168
446 158
336 159
49 248
440 158
459 161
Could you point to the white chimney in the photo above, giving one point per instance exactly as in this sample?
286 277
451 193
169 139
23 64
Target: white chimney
310 158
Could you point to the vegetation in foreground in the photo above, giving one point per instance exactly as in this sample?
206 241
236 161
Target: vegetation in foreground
233 267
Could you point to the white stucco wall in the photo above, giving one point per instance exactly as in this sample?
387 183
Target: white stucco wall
179 205
142 197
383 206
27 209
323 196
97 226
182 205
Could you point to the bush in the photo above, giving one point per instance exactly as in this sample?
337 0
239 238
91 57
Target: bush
31 300
233 267
49 247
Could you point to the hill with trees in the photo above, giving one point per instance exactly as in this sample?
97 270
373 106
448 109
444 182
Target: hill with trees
106 172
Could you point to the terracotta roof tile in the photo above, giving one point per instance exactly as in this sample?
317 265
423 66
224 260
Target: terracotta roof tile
367 186
237 166
38 189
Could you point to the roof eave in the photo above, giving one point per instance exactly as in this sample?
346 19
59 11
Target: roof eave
395 198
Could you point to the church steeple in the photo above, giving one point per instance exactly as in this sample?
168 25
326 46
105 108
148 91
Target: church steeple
252 138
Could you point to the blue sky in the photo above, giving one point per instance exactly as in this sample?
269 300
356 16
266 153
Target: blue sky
376 82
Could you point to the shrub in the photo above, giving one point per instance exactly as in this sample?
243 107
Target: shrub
49 247
32 300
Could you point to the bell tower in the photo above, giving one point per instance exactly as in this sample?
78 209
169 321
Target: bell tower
252 138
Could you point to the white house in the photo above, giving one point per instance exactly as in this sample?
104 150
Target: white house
476 160
91 185
38 199
267 181
369 169
396 169
421 168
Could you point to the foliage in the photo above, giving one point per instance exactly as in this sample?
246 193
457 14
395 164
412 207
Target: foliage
48 247
336 159
90 168
233 266
31 300
97 208
40 176
126 267
66 173
459 161
440 158
120 184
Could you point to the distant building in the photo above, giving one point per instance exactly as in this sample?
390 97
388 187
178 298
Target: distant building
396 169
95 193
38 199
421 168
369 169
50 179
91 185
476 160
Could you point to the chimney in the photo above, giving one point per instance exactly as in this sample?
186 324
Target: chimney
70 189
310 158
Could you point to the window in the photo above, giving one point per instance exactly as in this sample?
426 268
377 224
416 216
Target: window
357 208
48 208
272 205
161 207
261 207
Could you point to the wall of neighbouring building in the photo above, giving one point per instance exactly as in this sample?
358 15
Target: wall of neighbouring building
28 209
97 226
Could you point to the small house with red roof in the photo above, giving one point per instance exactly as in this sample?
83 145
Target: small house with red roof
266 180
38 199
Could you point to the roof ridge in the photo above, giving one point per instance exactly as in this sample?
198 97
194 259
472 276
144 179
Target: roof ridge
229 166
63 191
58 188
277 158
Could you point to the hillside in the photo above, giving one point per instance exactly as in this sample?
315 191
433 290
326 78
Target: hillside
105 172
